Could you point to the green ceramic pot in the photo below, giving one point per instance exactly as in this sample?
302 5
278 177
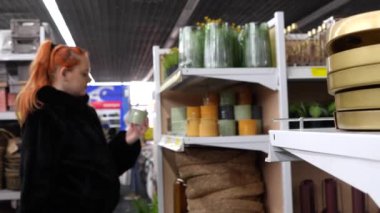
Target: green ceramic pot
137 116
227 127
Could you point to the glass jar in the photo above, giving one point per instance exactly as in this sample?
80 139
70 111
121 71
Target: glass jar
257 52
217 51
191 41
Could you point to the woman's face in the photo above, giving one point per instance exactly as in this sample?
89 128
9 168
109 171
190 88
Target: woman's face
76 79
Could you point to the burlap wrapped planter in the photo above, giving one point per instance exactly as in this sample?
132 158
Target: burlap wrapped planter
221 180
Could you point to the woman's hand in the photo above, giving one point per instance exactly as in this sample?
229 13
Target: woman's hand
136 131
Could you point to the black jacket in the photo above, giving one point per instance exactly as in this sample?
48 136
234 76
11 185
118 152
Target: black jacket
67 165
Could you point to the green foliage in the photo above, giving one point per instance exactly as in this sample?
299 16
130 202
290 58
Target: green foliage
331 109
315 110
154 207
143 206
297 110
171 59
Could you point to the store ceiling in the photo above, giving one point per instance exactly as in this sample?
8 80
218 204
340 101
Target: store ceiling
119 34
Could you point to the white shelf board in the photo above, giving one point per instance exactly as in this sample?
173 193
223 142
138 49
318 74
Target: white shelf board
353 157
265 76
307 72
16 57
9 195
254 142
8 116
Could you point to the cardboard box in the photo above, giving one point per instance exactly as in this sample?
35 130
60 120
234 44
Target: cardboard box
3 99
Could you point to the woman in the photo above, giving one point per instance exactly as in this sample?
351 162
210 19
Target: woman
67 165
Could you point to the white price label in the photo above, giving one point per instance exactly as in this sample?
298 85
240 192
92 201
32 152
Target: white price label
173 143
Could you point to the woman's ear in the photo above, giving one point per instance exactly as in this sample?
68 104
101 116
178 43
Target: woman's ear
62 73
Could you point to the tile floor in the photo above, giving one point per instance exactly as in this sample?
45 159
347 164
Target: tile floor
125 205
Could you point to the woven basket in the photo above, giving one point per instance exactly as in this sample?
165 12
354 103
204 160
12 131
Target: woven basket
13 181
5 135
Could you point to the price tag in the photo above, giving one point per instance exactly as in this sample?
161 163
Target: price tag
173 143
319 71
178 141
168 140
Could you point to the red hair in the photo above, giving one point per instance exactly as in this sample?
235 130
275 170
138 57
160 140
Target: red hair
48 60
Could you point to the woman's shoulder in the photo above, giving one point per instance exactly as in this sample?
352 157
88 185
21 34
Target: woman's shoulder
41 115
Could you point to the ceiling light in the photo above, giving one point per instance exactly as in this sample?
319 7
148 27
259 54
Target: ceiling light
52 7
92 78
108 83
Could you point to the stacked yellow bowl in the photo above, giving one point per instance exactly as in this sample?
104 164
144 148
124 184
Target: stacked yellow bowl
208 126
354 71
193 119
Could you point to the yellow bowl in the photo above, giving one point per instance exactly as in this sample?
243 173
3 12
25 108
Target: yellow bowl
354 58
208 128
209 112
354 77
193 112
193 127
355 40
247 127
358 99
354 24
211 99
358 120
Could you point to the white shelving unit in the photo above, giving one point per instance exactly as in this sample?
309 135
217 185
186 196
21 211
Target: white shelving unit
178 143
307 73
16 57
8 116
352 157
273 78
9 56
9 195
4 116
267 77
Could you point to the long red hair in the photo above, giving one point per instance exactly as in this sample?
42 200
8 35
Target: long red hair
48 60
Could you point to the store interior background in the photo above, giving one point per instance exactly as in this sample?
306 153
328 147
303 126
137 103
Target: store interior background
120 34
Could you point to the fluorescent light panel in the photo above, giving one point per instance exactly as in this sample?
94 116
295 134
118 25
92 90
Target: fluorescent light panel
52 7
107 83
92 78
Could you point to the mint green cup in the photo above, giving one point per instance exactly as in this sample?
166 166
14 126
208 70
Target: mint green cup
227 127
179 127
178 113
242 112
137 116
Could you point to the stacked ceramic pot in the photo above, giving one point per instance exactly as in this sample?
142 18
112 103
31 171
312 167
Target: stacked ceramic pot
354 71
178 120
248 116
227 124
208 126
193 119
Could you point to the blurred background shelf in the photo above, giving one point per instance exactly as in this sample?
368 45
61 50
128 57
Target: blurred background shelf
16 57
8 116
9 195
